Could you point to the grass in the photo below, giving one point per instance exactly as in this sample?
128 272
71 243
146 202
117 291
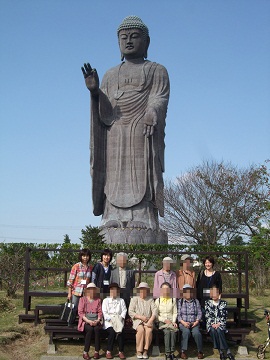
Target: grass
27 342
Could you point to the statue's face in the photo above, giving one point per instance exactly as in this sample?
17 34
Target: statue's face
133 44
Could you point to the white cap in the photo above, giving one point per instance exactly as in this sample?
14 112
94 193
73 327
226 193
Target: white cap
167 258
187 286
143 285
185 256
91 285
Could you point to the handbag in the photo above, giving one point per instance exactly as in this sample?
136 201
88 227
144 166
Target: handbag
91 316
68 312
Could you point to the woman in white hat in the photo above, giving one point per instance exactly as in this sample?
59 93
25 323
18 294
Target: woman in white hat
90 318
143 311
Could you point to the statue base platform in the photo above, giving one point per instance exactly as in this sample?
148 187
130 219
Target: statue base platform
126 235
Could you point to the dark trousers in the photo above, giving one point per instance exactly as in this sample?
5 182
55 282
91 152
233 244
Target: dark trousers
111 337
219 340
89 330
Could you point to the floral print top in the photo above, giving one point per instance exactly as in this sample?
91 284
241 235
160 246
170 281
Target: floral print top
216 313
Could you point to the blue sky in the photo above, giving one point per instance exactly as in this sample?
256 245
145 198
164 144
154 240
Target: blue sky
217 54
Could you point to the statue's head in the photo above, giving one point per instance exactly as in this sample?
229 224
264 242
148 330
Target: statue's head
133 38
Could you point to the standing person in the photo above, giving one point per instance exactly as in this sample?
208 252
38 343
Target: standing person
124 277
114 313
216 317
186 275
206 279
143 311
167 315
189 316
90 319
79 277
165 275
101 272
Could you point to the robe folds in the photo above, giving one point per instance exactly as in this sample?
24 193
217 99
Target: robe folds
126 166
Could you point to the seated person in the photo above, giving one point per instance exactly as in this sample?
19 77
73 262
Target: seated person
189 316
216 317
124 277
167 314
143 311
114 313
90 318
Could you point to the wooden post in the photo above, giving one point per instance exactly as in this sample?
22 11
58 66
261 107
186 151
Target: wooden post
26 299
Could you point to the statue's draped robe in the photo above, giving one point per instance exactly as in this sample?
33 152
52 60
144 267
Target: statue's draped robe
126 166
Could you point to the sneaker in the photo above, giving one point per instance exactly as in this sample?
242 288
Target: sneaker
96 355
86 356
230 356
109 355
200 355
145 355
121 355
139 355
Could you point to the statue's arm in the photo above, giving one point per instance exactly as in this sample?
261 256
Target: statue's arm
158 100
91 79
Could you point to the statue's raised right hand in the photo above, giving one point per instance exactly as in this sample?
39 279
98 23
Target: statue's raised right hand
91 78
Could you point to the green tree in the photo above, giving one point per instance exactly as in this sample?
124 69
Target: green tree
64 258
92 239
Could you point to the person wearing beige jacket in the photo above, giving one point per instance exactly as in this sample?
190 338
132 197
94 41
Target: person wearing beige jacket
167 315
143 312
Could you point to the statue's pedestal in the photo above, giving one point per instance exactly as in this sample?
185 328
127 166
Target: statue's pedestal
128 235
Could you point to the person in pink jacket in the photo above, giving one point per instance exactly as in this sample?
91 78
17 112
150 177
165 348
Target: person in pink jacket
90 319
165 275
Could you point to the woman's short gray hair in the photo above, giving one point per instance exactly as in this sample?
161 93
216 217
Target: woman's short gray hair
122 254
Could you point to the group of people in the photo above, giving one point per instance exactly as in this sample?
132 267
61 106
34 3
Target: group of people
104 298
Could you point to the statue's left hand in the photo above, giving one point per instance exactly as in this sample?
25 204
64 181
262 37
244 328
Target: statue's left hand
150 121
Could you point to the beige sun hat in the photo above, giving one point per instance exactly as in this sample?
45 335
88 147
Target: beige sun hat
185 257
91 285
143 285
167 258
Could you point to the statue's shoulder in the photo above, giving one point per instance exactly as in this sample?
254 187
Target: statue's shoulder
158 68
112 71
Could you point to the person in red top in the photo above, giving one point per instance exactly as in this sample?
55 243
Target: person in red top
90 318
79 277
186 275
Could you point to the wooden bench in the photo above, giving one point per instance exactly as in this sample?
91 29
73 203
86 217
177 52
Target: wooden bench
237 334
249 323
36 293
58 329
48 309
54 321
26 317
